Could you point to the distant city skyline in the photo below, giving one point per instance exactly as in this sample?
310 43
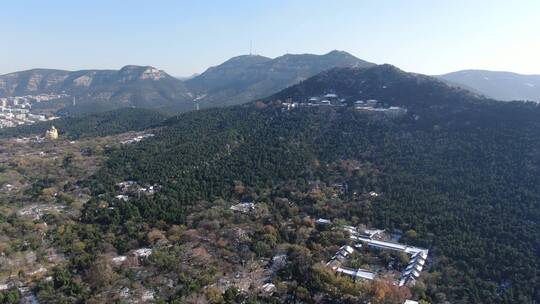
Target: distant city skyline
183 37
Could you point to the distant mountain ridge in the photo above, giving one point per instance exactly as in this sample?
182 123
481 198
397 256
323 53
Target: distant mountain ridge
50 80
238 80
138 86
499 85
245 78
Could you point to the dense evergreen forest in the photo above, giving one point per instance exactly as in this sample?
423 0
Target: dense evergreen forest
466 183
90 125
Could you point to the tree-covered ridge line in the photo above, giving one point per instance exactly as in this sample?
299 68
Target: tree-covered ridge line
92 125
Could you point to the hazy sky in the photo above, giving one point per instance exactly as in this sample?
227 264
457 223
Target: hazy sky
185 37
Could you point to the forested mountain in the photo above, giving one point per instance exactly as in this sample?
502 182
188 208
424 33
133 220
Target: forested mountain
245 78
457 172
91 125
499 85
385 83
98 90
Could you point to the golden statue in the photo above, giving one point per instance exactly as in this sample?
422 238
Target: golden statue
52 133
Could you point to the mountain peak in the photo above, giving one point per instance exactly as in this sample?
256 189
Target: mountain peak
388 68
132 72
385 83
248 77
244 60
338 53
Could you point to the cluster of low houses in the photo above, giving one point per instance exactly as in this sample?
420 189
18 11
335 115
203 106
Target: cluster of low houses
36 211
245 207
373 194
132 187
331 99
137 254
337 261
325 100
328 100
371 105
372 239
416 263
137 138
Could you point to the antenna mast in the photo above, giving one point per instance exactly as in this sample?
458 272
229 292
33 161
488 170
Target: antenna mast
250 47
